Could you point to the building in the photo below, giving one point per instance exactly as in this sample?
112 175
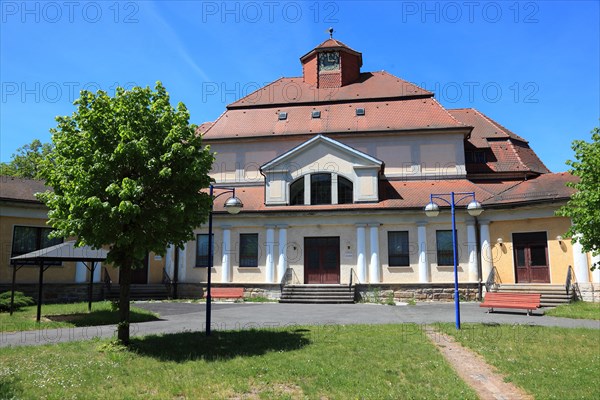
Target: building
334 169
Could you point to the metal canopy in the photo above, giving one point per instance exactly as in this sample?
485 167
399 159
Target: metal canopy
66 251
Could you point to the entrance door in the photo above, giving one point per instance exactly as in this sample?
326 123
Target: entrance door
140 275
322 260
531 257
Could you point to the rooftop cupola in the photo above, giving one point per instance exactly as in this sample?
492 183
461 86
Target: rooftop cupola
331 64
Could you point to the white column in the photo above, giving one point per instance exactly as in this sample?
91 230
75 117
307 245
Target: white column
282 260
97 272
270 264
225 260
580 262
596 272
473 265
424 272
486 249
374 275
182 267
361 261
80 272
169 264
307 189
334 189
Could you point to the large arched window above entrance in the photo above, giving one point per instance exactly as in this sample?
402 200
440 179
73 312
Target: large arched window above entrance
297 192
320 189
345 191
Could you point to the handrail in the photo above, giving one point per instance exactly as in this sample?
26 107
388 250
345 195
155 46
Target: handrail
493 279
166 279
289 274
353 274
107 280
571 282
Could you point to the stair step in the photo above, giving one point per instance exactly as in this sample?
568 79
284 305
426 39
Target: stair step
322 294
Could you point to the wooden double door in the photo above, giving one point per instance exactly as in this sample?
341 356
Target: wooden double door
531 257
322 260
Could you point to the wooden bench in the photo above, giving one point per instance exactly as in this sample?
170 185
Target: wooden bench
226 293
523 301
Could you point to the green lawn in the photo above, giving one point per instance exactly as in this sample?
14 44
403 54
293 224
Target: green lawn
314 362
578 310
549 363
68 315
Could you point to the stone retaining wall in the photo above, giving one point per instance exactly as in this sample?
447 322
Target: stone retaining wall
589 292
417 292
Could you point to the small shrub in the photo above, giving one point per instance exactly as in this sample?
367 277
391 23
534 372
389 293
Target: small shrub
390 300
20 301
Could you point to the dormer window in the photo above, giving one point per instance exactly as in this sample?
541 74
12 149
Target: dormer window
321 190
329 61
316 114
360 111
282 116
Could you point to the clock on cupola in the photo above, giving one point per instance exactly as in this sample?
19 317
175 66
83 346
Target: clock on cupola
329 61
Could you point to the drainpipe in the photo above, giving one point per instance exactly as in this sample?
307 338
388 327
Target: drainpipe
175 270
478 251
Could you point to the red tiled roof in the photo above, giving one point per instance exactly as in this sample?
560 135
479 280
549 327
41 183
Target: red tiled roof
509 152
331 44
415 114
394 194
203 127
369 86
483 127
546 187
19 189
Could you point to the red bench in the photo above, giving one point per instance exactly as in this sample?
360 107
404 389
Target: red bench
523 301
226 293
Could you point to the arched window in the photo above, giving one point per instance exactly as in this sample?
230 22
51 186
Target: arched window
320 189
345 195
297 192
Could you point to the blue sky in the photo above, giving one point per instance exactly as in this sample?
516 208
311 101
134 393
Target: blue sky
533 66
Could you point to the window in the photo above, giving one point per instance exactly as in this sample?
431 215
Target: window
202 256
320 189
398 249
345 195
31 238
445 253
475 157
249 250
297 192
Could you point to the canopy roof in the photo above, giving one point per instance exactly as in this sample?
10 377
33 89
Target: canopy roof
66 251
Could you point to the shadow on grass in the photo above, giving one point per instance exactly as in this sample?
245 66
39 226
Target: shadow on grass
189 346
101 317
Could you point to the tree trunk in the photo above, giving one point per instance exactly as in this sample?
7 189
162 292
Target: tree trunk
124 285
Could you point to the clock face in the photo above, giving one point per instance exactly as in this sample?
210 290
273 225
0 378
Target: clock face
329 61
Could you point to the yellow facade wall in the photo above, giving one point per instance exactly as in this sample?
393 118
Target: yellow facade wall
560 255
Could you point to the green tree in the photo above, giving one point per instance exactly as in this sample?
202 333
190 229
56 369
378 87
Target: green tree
25 163
127 173
584 206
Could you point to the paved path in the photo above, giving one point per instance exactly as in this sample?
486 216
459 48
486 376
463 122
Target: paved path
180 317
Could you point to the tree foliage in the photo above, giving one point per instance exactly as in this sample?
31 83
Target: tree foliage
127 173
584 206
26 162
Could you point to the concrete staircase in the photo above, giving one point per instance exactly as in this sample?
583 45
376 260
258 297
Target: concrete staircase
140 292
552 295
318 294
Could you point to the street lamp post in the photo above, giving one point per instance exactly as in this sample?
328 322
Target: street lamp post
474 208
233 205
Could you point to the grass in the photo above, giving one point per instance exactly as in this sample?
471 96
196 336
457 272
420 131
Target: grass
577 310
68 315
548 362
314 362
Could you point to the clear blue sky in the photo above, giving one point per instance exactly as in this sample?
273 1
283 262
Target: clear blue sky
533 65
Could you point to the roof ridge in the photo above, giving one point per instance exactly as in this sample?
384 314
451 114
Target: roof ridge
450 115
506 131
